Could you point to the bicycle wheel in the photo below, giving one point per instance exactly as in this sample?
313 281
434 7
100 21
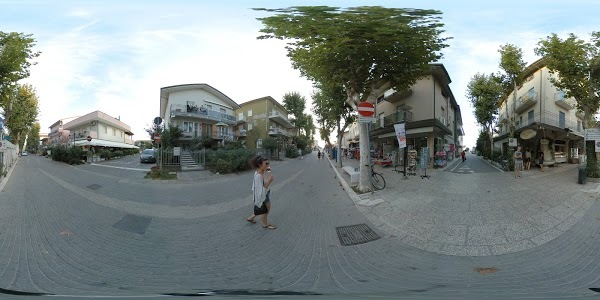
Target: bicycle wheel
378 181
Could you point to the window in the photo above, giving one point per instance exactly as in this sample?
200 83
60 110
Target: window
249 113
188 127
380 99
114 132
249 126
520 120
105 130
561 119
578 125
530 116
531 93
240 116
121 133
560 95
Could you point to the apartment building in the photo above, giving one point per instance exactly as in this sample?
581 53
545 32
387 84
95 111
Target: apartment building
199 110
541 107
105 130
261 118
432 116
57 132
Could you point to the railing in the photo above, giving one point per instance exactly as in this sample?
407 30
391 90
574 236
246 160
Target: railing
182 109
553 120
391 119
278 114
241 133
278 131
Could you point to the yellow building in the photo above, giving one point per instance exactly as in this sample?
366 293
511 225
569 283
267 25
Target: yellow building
261 118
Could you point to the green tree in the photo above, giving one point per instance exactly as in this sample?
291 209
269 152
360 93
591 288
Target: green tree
270 144
295 104
483 144
483 92
511 62
367 50
15 57
332 111
577 63
33 137
21 113
170 137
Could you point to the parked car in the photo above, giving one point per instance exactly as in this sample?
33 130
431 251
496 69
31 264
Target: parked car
24 153
148 155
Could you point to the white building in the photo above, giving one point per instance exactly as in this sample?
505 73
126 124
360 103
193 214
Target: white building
104 130
199 110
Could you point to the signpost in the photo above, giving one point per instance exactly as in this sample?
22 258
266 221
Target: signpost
424 162
366 111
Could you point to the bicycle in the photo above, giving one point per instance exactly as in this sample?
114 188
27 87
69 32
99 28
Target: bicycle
377 179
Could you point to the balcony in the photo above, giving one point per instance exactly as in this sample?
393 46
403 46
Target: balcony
278 132
559 99
397 96
391 119
83 135
552 119
241 121
182 110
525 102
280 118
223 136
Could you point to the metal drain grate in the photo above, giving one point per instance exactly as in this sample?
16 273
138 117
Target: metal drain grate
94 186
355 234
133 223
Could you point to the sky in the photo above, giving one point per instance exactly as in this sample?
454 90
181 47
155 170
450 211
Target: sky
114 56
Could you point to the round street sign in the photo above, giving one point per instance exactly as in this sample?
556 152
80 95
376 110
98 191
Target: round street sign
157 120
89 138
366 109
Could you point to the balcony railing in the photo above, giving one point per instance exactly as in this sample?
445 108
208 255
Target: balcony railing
241 133
275 131
526 101
553 120
559 99
201 112
391 119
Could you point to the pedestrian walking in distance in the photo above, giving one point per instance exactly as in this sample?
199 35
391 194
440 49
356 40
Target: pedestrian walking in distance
463 155
261 191
518 157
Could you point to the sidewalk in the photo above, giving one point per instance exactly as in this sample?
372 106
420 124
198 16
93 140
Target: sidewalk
476 214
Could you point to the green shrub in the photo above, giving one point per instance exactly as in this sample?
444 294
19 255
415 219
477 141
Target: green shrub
229 161
118 153
291 151
592 162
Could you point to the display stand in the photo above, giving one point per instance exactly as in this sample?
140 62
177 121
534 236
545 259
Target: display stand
424 162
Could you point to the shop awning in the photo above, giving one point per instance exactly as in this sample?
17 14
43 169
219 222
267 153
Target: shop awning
103 143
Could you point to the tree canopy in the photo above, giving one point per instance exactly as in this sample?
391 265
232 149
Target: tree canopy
33 137
366 50
483 92
15 57
22 112
578 64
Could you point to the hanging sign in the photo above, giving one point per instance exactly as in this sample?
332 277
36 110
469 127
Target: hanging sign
400 134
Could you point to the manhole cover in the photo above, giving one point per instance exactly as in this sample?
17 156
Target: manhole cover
486 270
133 223
355 234
94 186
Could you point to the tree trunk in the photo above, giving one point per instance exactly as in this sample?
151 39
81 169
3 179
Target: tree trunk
364 184
340 136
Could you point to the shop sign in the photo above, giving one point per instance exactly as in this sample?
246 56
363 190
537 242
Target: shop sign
597 143
592 134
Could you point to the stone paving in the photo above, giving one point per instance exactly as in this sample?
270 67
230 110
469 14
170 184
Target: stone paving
68 230
478 213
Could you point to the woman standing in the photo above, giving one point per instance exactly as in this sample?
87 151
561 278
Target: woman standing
261 191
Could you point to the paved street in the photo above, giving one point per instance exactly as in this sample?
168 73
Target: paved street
76 230
473 164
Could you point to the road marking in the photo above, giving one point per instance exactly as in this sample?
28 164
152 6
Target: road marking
455 167
492 165
124 168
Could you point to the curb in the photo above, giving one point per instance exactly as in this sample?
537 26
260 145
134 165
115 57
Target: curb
450 165
489 163
345 185
5 179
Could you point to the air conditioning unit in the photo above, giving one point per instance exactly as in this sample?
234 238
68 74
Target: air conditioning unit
93 122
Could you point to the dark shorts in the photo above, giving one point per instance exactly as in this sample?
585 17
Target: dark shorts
263 209
527 160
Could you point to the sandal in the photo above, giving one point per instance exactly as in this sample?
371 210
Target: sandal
269 226
251 221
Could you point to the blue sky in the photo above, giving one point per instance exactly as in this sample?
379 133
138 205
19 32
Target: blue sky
114 56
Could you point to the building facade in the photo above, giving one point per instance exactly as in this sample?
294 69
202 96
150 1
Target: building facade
431 115
57 132
541 107
106 131
199 110
261 118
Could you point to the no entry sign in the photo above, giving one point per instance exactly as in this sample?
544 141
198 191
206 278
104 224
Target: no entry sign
366 109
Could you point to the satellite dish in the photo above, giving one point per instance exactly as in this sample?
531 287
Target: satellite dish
528 134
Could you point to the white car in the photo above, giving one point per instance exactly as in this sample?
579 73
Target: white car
24 153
